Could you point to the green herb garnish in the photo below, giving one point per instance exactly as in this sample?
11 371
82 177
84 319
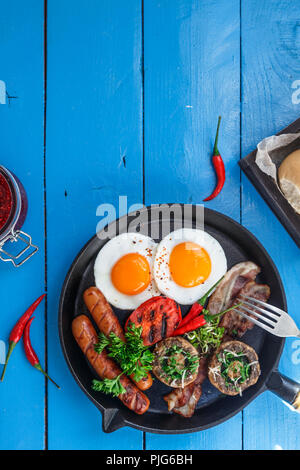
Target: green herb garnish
210 335
235 368
207 337
133 357
109 386
103 341
176 363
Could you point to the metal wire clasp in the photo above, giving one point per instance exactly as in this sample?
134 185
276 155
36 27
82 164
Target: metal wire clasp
15 236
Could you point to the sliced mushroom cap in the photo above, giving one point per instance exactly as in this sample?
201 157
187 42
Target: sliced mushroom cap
233 367
163 353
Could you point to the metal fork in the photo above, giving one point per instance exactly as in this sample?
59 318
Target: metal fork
270 318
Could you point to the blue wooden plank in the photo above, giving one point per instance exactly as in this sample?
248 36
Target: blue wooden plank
270 65
192 74
21 117
226 436
94 96
94 119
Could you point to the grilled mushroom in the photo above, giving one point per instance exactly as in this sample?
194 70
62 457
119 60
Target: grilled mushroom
233 367
176 362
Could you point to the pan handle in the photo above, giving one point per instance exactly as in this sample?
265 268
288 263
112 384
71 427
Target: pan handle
285 388
111 420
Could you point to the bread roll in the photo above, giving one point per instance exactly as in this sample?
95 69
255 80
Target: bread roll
289 179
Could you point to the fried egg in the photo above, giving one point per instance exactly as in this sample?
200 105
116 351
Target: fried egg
188 262
123 270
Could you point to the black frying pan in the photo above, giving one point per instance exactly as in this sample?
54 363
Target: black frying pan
213 407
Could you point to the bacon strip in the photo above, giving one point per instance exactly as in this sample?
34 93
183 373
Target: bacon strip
233 281
235 324
184 400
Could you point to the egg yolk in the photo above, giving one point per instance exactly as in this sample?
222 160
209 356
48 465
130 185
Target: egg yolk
190 264
131 274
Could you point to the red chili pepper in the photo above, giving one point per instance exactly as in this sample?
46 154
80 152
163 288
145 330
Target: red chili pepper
30 352
218 166
191 326
198 306
17 331
193 313
201 320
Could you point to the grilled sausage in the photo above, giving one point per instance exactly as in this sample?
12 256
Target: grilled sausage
145 383
108 322
86 337
102 312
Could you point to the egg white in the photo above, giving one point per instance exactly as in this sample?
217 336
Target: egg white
162 274
110 253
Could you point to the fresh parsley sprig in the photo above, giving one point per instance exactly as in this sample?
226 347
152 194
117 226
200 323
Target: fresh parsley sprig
133 357
103 342
109 386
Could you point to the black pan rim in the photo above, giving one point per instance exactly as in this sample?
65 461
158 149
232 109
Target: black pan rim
126 422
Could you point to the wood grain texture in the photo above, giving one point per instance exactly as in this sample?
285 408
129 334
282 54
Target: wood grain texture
270 64
191 76
100 54
94 118
21 118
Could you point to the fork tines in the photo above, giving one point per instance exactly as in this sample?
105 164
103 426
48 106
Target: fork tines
268 319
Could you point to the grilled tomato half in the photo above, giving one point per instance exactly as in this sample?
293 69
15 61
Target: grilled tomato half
158 317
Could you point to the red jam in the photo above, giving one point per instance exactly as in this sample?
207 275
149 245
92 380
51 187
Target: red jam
5 201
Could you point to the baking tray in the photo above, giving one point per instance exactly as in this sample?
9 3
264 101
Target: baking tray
268 189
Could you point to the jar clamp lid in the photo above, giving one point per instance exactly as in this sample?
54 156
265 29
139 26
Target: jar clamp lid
11 231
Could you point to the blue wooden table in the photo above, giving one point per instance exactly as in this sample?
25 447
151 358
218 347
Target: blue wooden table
104 98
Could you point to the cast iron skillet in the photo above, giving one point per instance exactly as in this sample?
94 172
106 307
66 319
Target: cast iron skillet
213 407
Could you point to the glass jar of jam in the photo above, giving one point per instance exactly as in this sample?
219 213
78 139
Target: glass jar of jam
13 210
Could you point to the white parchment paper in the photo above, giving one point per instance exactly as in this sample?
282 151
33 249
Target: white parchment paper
268 163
